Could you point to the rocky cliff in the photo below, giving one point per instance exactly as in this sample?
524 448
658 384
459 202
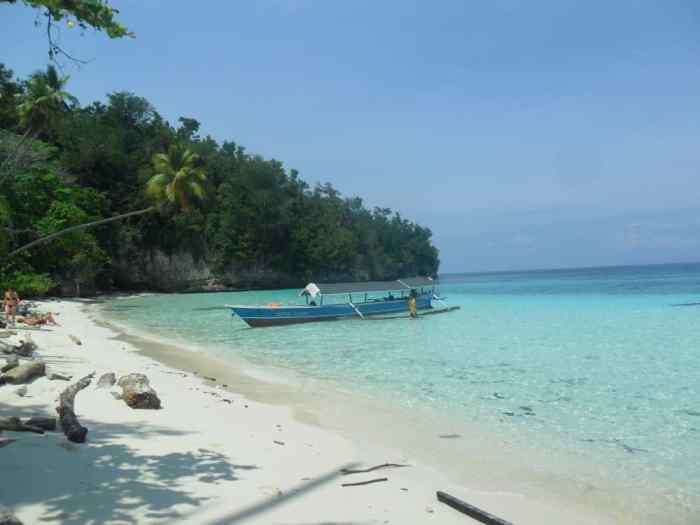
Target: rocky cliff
181 272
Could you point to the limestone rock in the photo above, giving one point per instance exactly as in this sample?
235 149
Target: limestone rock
106 380
137 392
25 348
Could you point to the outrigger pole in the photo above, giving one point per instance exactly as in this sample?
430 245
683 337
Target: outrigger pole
356 310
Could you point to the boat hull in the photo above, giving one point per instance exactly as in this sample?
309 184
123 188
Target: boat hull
261 316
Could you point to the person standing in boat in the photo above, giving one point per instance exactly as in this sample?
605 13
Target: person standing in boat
412 307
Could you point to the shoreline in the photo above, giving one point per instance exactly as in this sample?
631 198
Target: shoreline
292 412
434 441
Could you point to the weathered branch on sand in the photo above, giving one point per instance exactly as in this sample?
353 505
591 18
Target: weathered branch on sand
44 423
55 376
358 483
23 373
470 510
14 424
346 471
72 428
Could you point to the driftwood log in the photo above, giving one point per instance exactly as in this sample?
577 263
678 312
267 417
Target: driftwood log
55 376
14 424
137 392
347 471
44 423
23 373
72 428
11 362
368 482
470 510
106 380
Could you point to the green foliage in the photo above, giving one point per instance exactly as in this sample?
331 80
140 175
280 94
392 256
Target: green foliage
97 14
178 180
215 201
27 284
44 100
9 91
37 201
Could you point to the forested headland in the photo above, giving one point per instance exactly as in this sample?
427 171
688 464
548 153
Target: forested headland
203 215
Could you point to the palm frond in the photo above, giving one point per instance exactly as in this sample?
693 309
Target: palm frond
155 187
197 190
179 176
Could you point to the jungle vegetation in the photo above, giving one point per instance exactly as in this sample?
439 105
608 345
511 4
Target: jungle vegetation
84 186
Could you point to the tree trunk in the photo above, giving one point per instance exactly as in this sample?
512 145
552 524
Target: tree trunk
72 428
78 227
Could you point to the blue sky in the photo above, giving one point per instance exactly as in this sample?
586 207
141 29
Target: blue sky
524 134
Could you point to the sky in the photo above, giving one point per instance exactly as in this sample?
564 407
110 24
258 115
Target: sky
547 134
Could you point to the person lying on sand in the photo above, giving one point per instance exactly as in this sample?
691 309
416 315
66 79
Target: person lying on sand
38 319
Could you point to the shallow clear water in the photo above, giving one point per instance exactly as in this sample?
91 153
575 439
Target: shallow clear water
598 360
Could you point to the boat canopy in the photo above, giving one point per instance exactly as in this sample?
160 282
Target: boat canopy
313 289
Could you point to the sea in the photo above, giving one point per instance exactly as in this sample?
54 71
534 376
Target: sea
601 362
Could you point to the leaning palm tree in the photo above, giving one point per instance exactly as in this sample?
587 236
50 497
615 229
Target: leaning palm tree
178 179
178 182
44 99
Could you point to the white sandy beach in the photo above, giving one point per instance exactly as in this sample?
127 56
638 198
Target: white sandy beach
215 454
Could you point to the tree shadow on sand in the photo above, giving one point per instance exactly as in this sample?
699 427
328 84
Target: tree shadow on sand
105 480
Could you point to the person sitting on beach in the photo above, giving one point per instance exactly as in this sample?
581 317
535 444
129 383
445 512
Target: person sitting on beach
11 301
39 319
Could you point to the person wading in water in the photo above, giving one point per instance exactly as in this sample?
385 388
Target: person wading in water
412 308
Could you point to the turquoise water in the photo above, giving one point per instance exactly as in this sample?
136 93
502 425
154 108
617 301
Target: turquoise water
604 361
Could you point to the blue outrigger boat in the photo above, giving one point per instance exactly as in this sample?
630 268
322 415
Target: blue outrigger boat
361 302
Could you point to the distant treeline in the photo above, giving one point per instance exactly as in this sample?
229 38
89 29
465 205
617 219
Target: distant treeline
63 164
